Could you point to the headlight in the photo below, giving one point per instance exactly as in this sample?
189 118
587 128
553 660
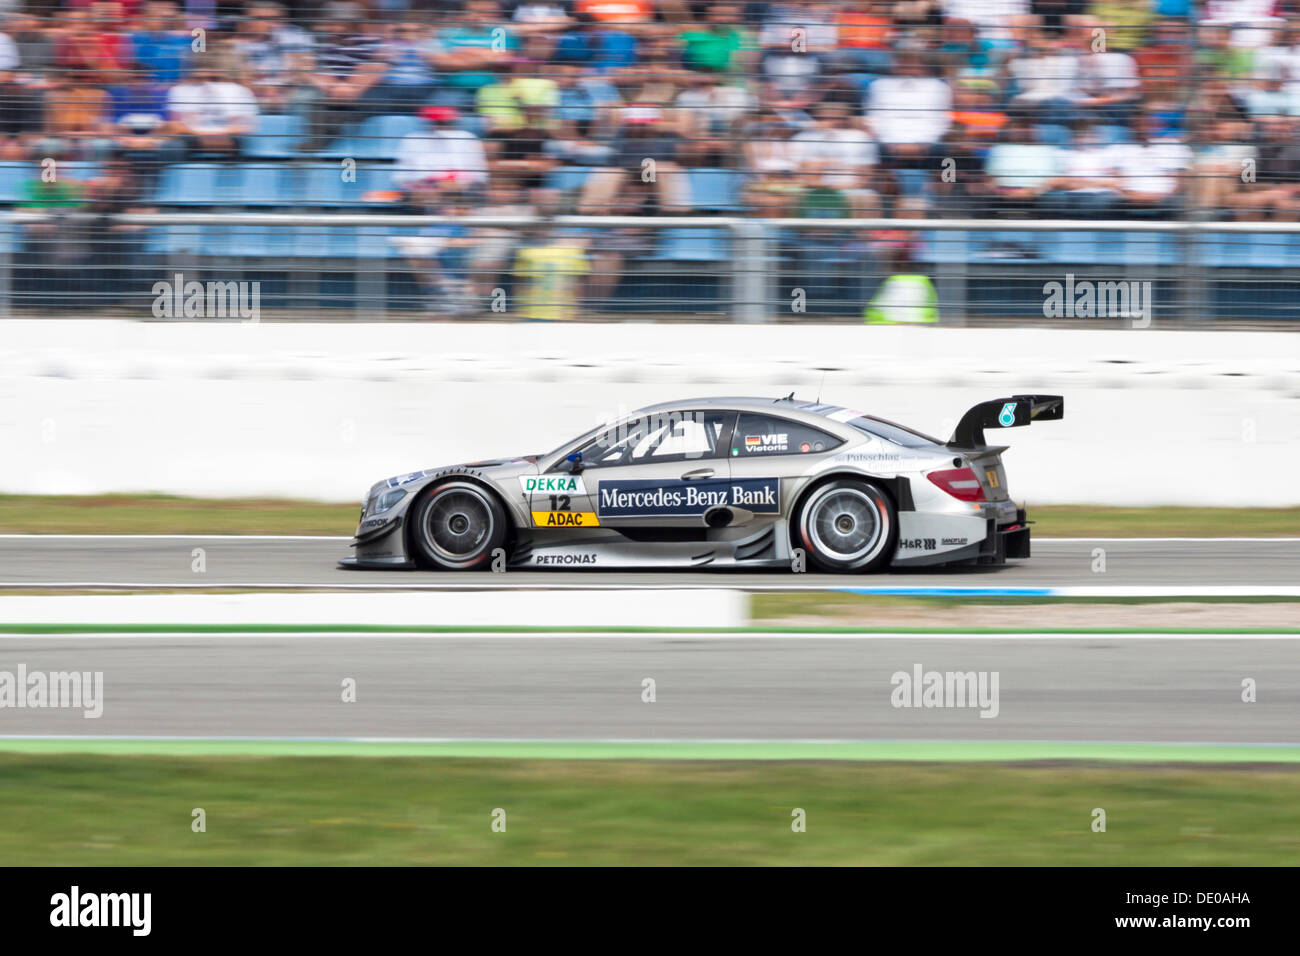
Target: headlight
380 504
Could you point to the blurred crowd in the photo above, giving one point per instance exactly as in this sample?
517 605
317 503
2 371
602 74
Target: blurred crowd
824 108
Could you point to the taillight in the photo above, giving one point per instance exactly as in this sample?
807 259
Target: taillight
961 483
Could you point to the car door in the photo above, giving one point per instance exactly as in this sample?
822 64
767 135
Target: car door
664 469
764 452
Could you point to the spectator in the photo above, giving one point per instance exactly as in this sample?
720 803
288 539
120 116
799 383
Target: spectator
441 157
835 154
1089 186
212 111
864 34
588 102
1108 80
1221 166
1046 80
520 156
439 256
708 112
77 115
277 53
473 49
87 43
494 247
1019 169
501 103
21 95
548 276
909 113
1276 191
771 160
1165 63
1151 171
645 177
345 65
143 137
162 46
719 45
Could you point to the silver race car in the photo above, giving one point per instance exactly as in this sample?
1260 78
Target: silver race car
717 483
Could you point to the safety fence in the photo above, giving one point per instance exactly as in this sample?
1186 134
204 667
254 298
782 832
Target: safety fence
267 266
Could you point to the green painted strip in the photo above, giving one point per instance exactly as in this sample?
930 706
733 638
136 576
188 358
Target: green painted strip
142 629
898 750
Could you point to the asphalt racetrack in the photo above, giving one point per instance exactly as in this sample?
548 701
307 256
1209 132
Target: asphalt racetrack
309 562
574 687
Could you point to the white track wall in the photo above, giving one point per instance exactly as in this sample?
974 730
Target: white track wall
323 410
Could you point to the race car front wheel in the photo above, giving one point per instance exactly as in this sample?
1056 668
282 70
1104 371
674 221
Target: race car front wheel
846 525
456 526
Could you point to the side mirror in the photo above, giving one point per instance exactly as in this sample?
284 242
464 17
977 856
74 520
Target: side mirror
574 463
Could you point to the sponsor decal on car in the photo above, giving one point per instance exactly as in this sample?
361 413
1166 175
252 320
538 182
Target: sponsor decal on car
916 544
404 479
586 557
647 499
777 441
552 484
565 519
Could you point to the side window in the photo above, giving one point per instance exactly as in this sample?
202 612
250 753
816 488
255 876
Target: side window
759 435
695 435
666 436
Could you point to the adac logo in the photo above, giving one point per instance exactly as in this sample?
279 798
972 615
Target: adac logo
552 484
1007 417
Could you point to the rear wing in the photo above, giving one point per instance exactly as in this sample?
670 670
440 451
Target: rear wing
1005 413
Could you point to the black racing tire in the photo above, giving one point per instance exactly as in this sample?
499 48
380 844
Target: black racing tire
846 525
455 526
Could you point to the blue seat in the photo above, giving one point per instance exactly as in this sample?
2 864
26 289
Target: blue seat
1078 247
1053 134
325 242
1112 134
1006 245
173 240
79 170
946 245
1150 249
192 184
276 137
692 245
567 178
376 138
262 185
12 177
1269 250
322 184
715 189
252 242
912 183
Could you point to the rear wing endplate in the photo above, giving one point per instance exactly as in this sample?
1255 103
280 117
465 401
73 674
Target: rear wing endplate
1005 413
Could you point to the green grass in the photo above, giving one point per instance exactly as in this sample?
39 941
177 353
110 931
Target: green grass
78 809
169 514
1083 521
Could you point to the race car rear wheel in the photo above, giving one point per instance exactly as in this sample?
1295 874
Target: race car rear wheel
846 525
456 526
